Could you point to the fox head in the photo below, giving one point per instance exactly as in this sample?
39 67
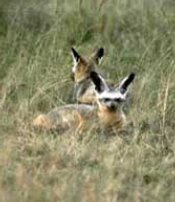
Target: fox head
110 99
82 66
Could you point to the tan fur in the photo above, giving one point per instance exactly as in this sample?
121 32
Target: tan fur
76 123
110 102
69 117
42 121
83 92
79 118
88 97
111 119
84 68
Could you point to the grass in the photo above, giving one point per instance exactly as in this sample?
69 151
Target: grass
35 63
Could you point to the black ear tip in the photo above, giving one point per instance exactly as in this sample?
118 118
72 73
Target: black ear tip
97 81
101 49
101 52
73 50
75 54
132 76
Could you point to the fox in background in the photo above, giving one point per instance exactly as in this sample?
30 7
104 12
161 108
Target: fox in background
82 66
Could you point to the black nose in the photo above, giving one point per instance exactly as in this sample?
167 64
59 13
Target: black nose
72 76
112 107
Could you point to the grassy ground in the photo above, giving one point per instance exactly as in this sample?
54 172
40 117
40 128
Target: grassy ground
35 62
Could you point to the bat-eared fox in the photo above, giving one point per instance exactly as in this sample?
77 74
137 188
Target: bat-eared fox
82 66
106 114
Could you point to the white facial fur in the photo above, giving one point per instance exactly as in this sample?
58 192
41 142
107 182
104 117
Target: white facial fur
111 99
111 95
75 63
74 67
99 60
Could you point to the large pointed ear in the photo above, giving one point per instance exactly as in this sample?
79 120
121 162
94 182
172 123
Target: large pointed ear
75 55
98 81
126 82
98 55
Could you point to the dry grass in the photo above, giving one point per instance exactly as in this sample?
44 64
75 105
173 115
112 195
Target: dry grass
35 62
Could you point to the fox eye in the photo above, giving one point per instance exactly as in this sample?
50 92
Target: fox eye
106 99
118 100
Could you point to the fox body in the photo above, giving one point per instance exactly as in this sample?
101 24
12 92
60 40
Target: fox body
108 114
63 118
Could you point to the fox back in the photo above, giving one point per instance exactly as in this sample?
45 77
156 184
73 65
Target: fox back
63 118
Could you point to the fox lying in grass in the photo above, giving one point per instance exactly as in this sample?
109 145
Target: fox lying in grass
108 113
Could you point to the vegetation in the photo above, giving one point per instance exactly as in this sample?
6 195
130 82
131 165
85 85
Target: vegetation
35 62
